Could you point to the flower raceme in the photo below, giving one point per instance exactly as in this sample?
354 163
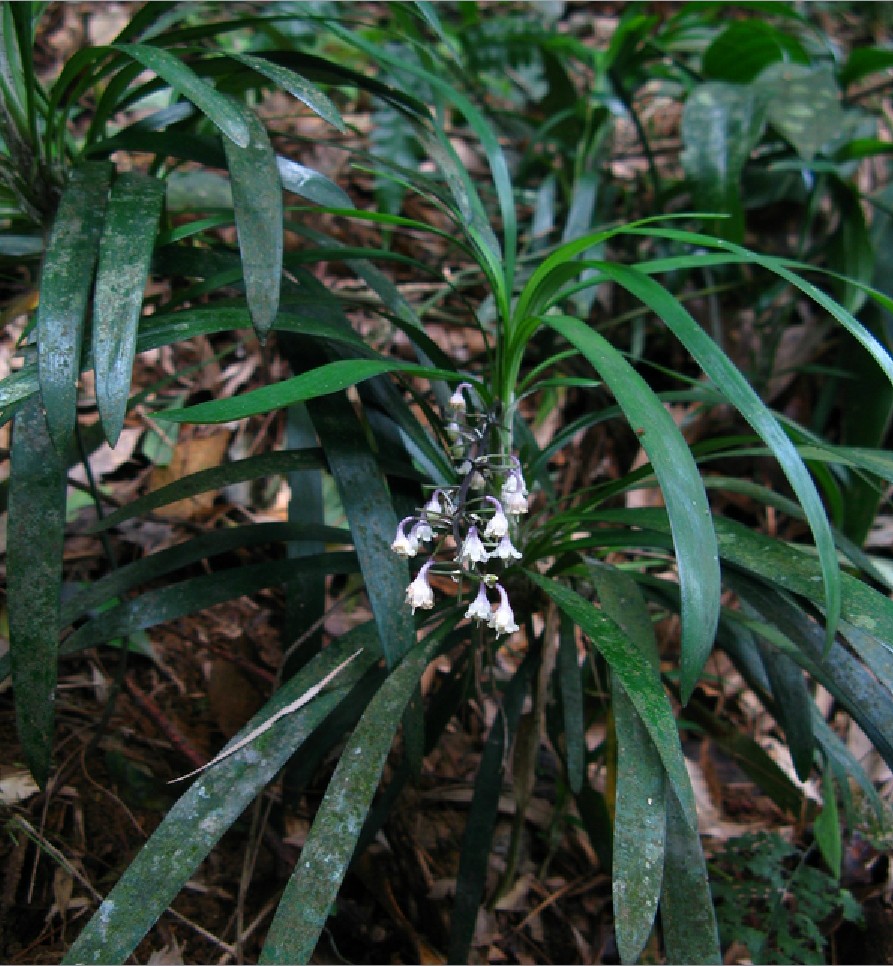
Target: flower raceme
470 527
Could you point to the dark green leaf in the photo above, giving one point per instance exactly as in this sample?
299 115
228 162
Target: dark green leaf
308 897
721 123
296 85
189 596
640 813
570 682
226 114
257 199
745 48
680 482
65 284
36 523
310 184
125 251
639 680
322 381
793 707
827 825
689 923
215 478
370 513
216 799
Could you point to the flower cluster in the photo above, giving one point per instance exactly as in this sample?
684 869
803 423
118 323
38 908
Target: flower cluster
468 528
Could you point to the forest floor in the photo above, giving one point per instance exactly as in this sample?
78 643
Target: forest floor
127 728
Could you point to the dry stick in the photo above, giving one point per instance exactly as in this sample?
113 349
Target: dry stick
307 696
149 706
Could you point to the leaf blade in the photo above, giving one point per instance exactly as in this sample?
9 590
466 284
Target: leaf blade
131 223
34 580
65 283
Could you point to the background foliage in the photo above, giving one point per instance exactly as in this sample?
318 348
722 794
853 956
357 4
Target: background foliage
650 242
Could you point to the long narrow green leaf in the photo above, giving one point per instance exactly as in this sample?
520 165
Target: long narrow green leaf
257 199
638 678
321 381
330 845
217 798
738 391
689 922
640 814
793 707
173 601
570 683
367 502
296 85
65 284
676 471
34 581
224 113
215 478
130 226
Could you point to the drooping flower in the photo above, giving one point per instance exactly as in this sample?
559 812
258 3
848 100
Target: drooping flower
514 493
505 550
419 593
406 546
502 620
421 532
439 504
457 400
472 550
479 608
498 524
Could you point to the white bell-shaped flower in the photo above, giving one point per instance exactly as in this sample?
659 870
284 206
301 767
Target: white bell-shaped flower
514 493
420 593
505 550
457 400
406 546
479 608
473 550
421 532
498 524
502 620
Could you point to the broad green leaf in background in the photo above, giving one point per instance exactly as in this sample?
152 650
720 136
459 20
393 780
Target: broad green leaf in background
640 813
313 888
257 200
227 115
745 48
125 251
36 523
680 482
638 678
803 104
65 284
721 123
310 184
216 799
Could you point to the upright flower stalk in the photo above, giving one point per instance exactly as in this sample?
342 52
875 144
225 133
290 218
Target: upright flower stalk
471 527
